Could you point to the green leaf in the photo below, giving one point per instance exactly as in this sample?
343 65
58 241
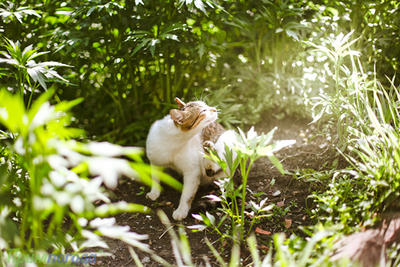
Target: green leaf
12 112
141 45
199 4
67 105
277 163
292 34
115 208
36 74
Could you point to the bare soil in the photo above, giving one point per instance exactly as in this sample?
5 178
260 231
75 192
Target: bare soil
288 193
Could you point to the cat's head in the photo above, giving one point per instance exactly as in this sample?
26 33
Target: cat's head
194 115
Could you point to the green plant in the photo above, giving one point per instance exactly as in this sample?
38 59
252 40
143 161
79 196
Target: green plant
367 120
160 52
27 70
10 11
248 148
53 188
48 201
333 104
41 189
315 250
228 108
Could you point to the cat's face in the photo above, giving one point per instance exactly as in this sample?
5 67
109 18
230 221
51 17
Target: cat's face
193 115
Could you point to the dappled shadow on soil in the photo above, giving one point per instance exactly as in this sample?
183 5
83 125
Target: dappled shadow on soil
289 194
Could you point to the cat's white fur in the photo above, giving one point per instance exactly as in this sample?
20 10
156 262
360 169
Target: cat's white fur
168 146
228 138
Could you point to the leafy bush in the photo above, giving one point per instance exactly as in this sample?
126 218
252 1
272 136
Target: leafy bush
129 56
258 66
371 186
49 203
375 24
45 203
364 114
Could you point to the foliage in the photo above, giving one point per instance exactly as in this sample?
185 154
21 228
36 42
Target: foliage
27 70
365 115
127 56
41 188
293 251
49 203
355 196
247 149
375 23
127 60
257 63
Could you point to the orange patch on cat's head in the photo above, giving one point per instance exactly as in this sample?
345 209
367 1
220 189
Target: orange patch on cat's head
189 115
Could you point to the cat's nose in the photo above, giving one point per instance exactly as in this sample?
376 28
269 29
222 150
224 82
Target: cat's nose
213 110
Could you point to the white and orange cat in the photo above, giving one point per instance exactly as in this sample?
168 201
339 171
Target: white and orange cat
178 140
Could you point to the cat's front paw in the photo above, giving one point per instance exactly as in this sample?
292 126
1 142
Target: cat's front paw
208 146
153 194
180 214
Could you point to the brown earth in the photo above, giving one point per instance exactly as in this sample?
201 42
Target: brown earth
289 194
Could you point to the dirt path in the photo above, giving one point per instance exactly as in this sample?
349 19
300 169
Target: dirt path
290 195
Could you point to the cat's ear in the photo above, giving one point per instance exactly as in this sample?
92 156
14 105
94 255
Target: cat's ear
181 104
176 116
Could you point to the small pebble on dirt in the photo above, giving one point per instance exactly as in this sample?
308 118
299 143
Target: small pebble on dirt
146 260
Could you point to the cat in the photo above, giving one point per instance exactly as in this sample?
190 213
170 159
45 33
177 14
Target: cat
176 141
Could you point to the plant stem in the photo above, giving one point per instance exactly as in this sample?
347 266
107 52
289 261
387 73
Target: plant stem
30 96
252 223
245 173
236 207
20 84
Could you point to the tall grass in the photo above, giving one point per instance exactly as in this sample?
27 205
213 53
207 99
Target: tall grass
364 114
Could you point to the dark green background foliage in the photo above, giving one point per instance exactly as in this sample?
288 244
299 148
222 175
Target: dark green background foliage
129 59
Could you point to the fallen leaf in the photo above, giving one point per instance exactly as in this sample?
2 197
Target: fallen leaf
280 203
262 232
276 193
288 223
